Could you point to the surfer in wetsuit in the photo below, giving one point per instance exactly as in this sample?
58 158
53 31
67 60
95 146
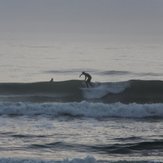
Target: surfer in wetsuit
51 80
88 78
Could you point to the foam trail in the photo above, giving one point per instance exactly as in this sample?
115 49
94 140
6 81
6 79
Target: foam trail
101 90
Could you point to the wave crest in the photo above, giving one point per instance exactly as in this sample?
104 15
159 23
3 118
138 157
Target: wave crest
138 91
83 109
88 159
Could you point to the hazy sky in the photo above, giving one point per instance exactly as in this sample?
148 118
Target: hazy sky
102 20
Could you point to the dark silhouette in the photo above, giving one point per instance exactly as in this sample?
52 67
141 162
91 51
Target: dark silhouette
51 80
88 78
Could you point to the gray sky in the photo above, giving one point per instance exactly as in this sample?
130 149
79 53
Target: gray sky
103 20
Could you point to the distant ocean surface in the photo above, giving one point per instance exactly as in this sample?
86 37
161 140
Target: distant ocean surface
118 120
27 61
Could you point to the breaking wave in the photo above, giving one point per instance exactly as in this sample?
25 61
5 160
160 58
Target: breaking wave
82 109
87 159
75 160
132 91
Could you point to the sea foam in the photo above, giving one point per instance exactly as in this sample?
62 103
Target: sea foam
83 109
99 90
87 159
75 160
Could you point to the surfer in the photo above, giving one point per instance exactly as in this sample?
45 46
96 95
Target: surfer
88 78
51 80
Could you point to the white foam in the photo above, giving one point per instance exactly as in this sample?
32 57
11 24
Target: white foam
85 109
87 159
101 90
75 160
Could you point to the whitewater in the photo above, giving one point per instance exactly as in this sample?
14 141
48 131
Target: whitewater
64 121
117 120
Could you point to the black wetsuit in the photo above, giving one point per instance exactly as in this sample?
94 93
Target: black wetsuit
88 78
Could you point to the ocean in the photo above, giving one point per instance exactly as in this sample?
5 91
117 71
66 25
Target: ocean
117 120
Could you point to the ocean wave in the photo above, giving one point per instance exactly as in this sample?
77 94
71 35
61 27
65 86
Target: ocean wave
103 73
75 160
87 159
155 147
82 109
138 91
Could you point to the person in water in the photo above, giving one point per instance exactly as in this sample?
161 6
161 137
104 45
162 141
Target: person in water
51 80
88 78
